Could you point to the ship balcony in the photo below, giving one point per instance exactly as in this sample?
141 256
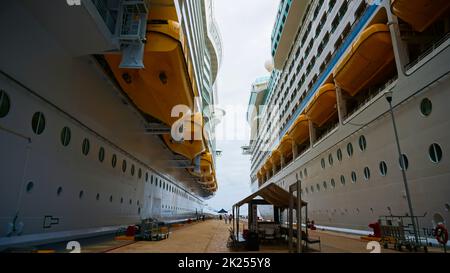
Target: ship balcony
420 14
424 29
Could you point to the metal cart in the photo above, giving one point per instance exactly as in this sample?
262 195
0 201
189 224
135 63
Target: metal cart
151 230
398 231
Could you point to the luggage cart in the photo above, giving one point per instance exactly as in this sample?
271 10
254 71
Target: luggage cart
151 230
398 231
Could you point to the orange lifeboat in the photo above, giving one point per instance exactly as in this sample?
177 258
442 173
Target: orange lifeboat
369 60
165 81
192 145
323 105
420 14
300 130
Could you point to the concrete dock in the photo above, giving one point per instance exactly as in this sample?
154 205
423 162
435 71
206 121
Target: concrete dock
211 237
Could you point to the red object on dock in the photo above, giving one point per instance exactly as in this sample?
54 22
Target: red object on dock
376 230
131 231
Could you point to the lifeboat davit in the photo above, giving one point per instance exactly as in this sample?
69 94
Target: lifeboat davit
300 130
420 14
370 59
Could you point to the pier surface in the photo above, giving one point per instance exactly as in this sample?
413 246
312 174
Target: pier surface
211 237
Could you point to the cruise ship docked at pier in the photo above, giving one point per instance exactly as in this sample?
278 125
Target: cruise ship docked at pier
86 93
327 121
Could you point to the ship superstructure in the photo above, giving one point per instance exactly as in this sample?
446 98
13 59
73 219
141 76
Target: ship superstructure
327 122
86 127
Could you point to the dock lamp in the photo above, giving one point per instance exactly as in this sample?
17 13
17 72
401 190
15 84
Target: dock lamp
388 96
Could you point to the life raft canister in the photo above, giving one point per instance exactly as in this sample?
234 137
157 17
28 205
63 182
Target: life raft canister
441 234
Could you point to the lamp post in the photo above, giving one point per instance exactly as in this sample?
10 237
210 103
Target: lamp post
388 96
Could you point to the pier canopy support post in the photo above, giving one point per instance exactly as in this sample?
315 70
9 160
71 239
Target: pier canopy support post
283 161
341 104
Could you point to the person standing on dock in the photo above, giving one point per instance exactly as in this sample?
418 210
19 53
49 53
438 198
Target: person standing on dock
230 218
226 218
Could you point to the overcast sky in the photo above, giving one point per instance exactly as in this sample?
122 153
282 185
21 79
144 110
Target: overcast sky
245 27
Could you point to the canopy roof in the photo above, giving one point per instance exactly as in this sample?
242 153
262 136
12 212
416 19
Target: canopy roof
222 211
273 194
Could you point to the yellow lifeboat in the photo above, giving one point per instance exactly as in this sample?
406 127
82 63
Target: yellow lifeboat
165 81
285 147
420 14
268 166
193 144
323 105
206 164
369 60
263 172
275 158
300 130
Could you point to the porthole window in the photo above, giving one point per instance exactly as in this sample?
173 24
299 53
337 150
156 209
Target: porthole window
305 173
30 186
350 150
322 163
426 107
38 123
59 191
312 189
101 154
325 186
362 143
435 152
111 199
151 179
366 173
5 104
81 194
146 177
318 187
132 169
330 159
339 155
403 162
301 175
354 178
343 180
130 202
333 183
124 166
65 136
139 173
97 197
114 161
121 200
85 147
139 210
383 168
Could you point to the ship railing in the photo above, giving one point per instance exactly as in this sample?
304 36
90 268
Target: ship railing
326 133
372 93
429 51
